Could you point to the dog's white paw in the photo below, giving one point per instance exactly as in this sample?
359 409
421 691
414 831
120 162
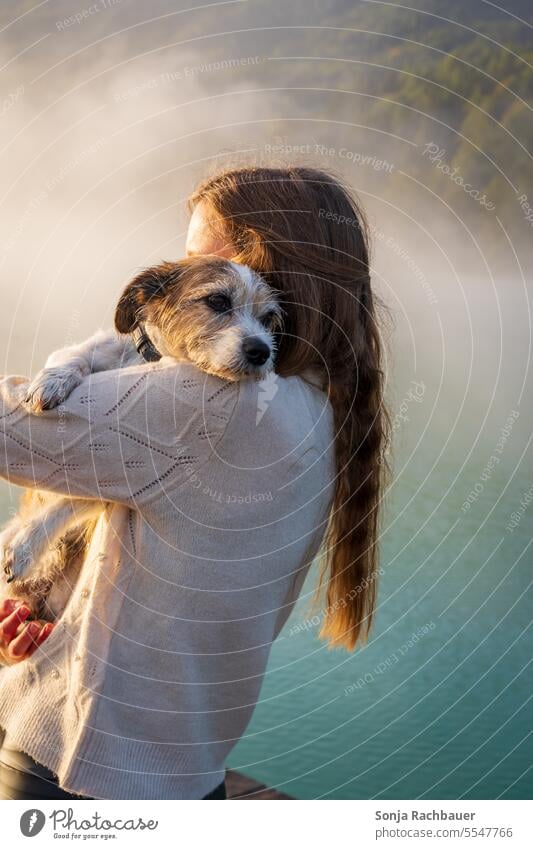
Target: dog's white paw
51 387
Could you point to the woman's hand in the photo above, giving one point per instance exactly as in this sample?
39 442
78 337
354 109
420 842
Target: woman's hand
18 639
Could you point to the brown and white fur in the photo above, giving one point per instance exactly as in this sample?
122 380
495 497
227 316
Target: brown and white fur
215 313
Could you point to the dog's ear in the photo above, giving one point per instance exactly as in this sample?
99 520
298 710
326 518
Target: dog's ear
148 287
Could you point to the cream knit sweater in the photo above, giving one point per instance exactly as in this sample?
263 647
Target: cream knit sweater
218 497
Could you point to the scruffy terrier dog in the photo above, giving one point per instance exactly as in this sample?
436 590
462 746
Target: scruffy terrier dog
218 314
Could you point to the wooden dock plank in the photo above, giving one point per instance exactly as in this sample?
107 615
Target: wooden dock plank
241 786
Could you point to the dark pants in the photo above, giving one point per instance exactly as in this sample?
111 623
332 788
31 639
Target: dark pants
23 778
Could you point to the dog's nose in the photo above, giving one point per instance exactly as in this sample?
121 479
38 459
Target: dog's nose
256 351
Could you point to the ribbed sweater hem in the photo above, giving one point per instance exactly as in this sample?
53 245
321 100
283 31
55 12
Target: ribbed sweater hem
117 769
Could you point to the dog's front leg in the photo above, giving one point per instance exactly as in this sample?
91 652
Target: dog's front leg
65 369
23 552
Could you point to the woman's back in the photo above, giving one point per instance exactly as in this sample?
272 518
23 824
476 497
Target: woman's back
155 672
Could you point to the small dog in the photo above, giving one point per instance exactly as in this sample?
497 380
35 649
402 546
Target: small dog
218 314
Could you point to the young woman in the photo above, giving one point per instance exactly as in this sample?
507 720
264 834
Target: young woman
152 670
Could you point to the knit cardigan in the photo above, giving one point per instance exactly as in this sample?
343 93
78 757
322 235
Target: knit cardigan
217 498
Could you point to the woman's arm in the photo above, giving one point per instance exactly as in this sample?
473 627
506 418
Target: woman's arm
125 435
84 447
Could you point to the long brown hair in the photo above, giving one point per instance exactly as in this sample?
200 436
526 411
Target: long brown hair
305 232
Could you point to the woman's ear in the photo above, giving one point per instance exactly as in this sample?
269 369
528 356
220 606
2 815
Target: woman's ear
149 286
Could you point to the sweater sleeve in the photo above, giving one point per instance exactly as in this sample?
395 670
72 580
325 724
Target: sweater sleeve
122 435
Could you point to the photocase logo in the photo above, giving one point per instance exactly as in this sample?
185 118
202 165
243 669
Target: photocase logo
32 822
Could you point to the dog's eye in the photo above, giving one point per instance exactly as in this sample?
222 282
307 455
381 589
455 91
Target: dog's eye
218 302
269 319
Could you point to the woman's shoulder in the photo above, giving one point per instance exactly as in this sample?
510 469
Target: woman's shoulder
281 411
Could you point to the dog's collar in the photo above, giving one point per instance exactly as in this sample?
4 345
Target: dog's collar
144 345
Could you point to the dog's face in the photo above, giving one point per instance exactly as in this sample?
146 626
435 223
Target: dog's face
216 313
